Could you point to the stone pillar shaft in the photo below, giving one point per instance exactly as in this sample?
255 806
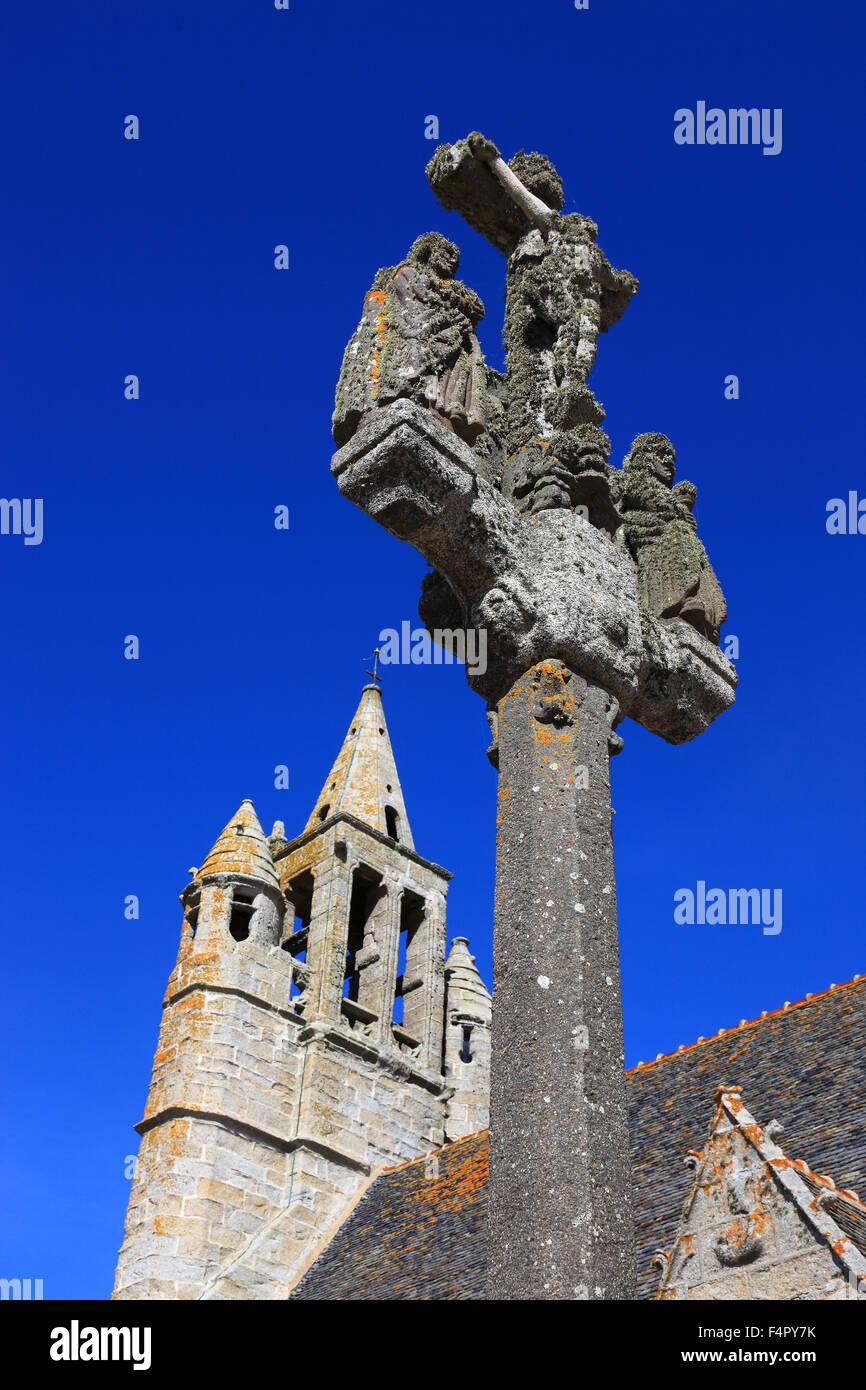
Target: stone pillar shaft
561 1224
385 931
326 942
432 965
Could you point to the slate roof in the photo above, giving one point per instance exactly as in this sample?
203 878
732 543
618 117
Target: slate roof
419 1237
803 1064
417 1233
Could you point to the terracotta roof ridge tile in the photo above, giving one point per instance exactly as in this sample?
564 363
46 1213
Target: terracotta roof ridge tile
746 1023
448 1147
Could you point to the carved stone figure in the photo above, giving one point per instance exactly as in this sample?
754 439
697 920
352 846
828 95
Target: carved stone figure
568 470
561 291
416 340
675 577
574 572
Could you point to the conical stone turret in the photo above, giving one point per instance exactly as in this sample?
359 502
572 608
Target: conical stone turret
468 1014
242 850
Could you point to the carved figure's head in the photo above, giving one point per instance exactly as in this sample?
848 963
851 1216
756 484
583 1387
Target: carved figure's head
545 474
437 253
584 448
536 173
654 454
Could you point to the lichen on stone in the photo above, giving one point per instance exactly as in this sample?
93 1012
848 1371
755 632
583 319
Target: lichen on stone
416 340
675 577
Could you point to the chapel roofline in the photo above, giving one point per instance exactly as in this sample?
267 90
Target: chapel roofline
744 1023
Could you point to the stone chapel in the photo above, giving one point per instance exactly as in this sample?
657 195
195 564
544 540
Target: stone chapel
316 1125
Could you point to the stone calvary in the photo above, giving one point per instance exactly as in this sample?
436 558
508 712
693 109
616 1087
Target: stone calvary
598 601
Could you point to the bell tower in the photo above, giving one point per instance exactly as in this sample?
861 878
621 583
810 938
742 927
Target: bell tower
374 933
302 1038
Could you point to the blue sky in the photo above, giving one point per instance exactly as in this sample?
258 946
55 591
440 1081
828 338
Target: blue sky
155 257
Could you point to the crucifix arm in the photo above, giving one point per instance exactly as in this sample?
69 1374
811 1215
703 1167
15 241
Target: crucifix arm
539 214
470 178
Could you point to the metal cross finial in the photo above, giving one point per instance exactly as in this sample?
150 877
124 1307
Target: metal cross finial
375 671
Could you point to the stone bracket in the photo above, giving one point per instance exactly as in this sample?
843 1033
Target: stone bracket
545 587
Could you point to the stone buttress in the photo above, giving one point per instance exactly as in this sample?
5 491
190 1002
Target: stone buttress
302 1042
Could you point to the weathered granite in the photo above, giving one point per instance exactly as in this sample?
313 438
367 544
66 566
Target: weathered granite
675 577
416 341
295 1055
584 607
560 1195
549 584
756 1225
561 291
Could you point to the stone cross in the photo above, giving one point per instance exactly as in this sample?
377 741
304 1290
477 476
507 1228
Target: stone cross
598 601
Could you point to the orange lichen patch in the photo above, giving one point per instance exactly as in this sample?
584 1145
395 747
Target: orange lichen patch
759 1220
736 1236
463 1173
190 1002
752 1022
380 329
199 958
780 1164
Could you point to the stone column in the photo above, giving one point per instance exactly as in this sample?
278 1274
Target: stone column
326 938
561 1223
433 969
385 930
